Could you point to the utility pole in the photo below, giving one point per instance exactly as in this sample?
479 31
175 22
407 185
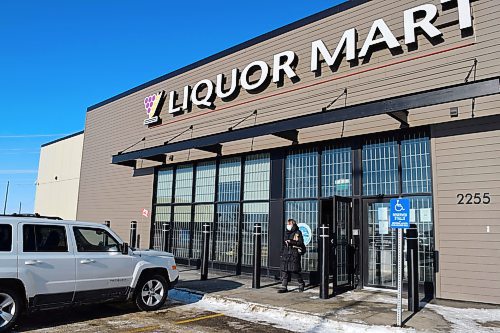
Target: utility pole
6 196
20 205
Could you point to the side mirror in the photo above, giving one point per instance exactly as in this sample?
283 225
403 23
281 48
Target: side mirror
125 248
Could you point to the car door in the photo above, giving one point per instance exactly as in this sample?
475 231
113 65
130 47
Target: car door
102 271
46 263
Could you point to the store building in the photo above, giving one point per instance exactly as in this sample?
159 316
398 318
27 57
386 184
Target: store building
58 178
334 114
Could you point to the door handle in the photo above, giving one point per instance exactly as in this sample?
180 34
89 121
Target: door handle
87 261
32 262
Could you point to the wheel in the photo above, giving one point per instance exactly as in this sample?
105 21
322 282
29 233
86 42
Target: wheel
10 308
151 293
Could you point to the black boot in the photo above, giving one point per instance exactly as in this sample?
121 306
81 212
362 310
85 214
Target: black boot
282 290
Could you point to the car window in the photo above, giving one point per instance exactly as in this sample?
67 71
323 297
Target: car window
44 238
94 240
5 238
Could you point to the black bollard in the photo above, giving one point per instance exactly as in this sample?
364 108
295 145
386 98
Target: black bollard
324 262
107 223
257 255
205 250
139 241
133 233
164 234
412 264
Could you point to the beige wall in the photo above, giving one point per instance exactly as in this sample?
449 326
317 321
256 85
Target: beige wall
466 159
62 159
118 193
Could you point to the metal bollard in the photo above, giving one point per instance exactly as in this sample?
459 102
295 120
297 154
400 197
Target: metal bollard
412 264
257 255
107 223
205 251
139 241
133 233
324 262
164 233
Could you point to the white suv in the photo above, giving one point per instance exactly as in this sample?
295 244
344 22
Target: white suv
47 263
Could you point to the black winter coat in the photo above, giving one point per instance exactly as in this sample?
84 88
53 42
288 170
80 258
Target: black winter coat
290 256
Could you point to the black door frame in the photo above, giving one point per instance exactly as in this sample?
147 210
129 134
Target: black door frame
330 205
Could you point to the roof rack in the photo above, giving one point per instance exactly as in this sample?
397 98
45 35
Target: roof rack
36 215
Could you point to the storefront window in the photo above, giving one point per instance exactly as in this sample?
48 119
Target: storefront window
230 179
181 231
162 215
336 172
422 215
306 213
380 167
203 214
302 174
226 243
416 164
205 182
184 184
257 173
255 213
165 185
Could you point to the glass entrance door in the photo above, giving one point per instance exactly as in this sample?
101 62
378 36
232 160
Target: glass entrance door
382 245
337 214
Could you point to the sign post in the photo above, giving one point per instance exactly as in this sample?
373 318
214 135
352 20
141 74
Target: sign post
400 219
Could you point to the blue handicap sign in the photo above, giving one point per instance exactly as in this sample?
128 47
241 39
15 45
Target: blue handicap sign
400 213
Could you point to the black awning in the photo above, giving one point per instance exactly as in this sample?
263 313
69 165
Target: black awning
432 97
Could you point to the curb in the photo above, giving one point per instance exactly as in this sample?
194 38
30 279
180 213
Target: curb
292 313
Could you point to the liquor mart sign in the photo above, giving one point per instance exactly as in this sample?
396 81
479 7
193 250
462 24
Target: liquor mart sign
257 74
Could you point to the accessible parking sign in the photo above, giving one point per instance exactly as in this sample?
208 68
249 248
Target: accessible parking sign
400 213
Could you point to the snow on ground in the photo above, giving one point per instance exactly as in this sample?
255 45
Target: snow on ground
468 320
277 317
463 319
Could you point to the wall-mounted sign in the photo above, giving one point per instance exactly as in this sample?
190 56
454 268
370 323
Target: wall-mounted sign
306 232
151 104
257 75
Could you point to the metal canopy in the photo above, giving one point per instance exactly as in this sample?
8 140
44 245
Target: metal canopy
448 94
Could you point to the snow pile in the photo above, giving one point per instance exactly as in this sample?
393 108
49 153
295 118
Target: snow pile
467 320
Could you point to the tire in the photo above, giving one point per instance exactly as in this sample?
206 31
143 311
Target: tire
152 293
10 308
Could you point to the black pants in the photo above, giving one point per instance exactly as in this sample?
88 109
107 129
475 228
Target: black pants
287 276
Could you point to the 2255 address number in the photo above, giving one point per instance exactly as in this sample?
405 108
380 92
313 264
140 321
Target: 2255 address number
476 199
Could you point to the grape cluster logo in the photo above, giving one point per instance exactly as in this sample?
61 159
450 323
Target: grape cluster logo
151 105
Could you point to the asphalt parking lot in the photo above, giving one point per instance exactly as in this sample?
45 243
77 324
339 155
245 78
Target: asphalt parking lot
174 317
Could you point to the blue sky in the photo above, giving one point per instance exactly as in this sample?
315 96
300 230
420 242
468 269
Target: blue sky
59 57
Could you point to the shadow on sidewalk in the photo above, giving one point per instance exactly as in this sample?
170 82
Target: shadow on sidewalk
211 285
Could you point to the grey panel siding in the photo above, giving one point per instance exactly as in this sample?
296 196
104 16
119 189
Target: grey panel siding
110 192
466 159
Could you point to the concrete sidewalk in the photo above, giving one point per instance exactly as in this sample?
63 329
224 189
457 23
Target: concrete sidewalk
362 307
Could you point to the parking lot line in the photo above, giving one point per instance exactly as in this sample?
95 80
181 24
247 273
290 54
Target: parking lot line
199 318
143 329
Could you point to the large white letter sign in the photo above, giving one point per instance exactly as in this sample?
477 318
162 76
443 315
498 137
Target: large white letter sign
348 40
185 101
425 24
220 84
264 72
207 100
387 37
290 57
464 13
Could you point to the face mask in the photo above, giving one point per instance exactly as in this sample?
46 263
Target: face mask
289 227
